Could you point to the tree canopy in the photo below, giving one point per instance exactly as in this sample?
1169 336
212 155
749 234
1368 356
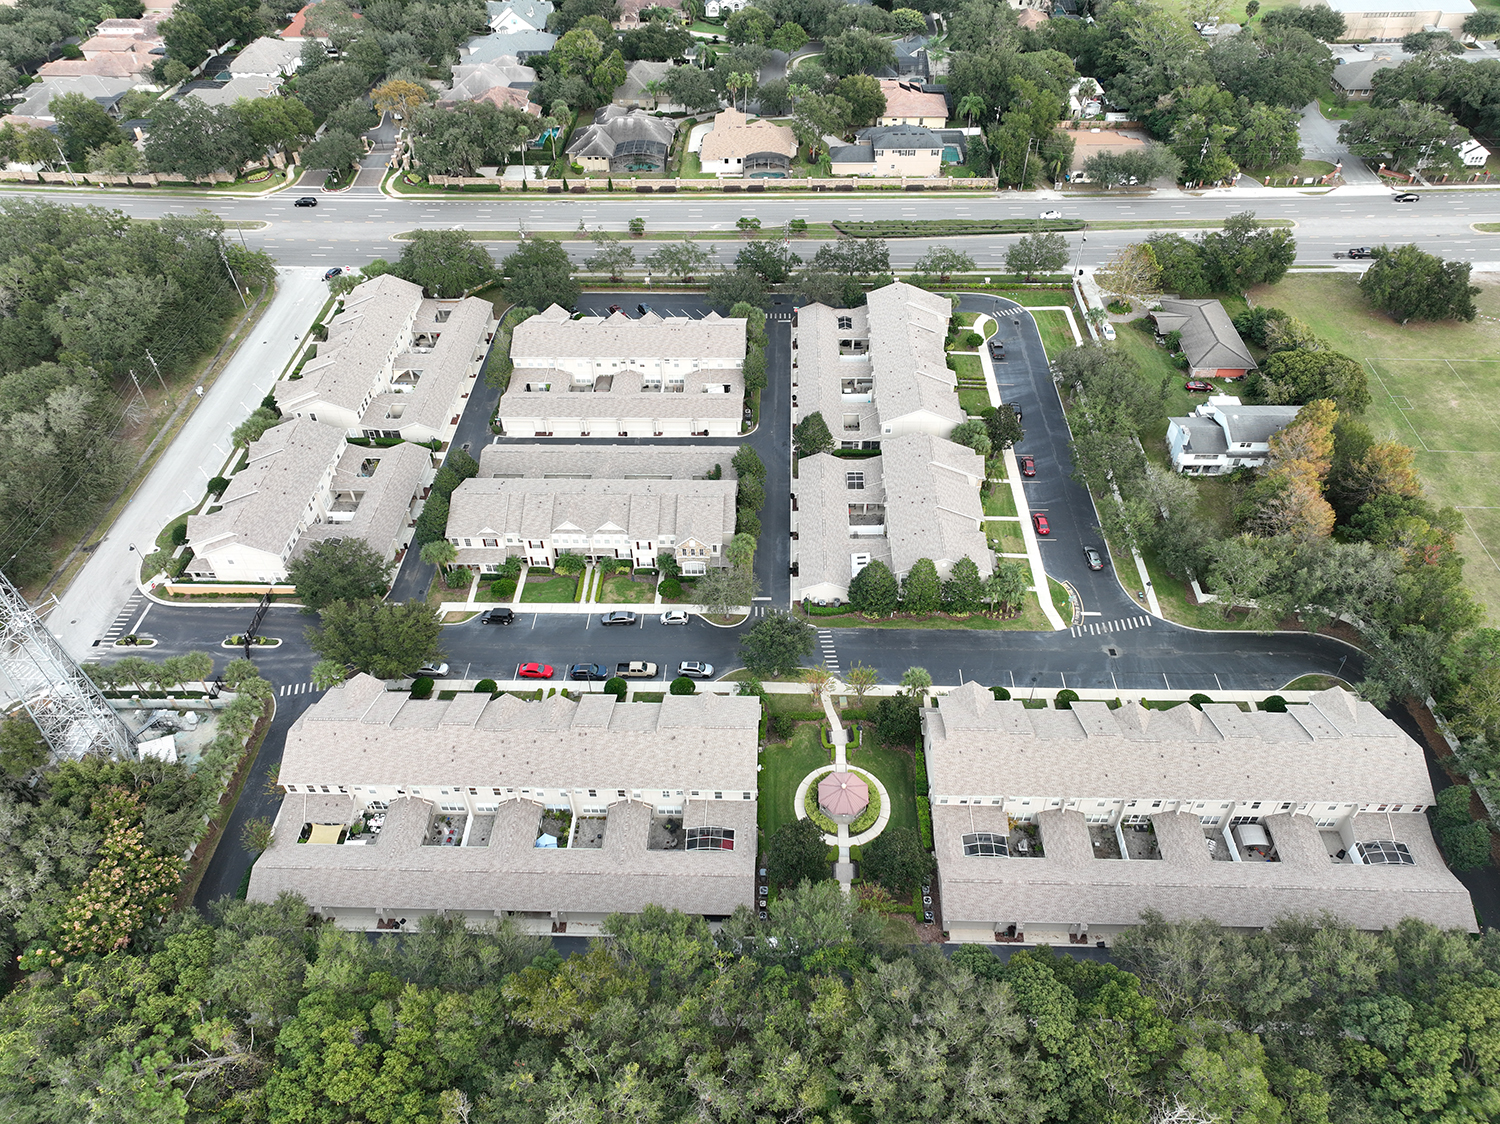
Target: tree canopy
388 641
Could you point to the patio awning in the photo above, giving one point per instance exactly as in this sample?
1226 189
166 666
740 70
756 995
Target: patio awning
325 833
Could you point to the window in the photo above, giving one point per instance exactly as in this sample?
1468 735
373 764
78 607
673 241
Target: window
709 839
718 796
985 844
855 481
846 322
1383 852
593 793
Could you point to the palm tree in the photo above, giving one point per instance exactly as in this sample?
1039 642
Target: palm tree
440 553
971 106
740 81
654 88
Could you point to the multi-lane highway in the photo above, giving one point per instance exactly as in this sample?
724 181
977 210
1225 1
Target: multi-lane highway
358 225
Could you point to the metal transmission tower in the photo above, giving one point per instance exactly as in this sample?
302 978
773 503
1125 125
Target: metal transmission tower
66 706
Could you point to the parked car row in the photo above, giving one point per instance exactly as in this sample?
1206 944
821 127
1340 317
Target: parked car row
598 672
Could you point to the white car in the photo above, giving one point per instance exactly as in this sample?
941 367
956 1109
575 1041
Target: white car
433 670
674 616
1051 214
1109 330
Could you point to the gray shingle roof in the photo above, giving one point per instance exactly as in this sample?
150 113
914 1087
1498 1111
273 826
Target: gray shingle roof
824 545
1257 424
617 129
1208 336
267 55
519 44
911 371
851 154
640 509
932 504
445 365
541 340
471 80
605 462
900 136
387 480
1205 437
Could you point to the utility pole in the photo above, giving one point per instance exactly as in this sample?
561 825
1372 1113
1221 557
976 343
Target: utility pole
155 368
223 257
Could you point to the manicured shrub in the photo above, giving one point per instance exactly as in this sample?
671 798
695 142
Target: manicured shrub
1198 700
1000 693
485 687
504 588
682 685
1451 811
1468 847
972 339
1275 704
669 587
421 687
1066 698
217 485
616 686
179 534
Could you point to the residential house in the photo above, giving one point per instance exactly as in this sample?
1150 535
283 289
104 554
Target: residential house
739 146
554 813
506 16
1473 154
1221 435
1357 79
623 140
1087 142
713 9
119 48
880 380
912 61
630 11
1032 19
268 57
1213 348
1371 19
888 150
394 364
622 376
302 483
642 88
1069 824
520 44
502 82
227 88
910 103
1085 96
36 107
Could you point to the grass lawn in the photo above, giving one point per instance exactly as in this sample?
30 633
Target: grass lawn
1005 538
486 593
1000 501
1033 298
1433 387
894 768
1057 336
1306 168
973 399
782 770
553 590
1030 619
966 366
621 589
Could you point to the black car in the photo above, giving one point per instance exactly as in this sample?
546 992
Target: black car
1015 408
306 201
588 671
1360 251
332 273
643 308
1405 197
997 349
498 616
1091 556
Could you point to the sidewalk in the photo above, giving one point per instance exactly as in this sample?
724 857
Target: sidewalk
175 484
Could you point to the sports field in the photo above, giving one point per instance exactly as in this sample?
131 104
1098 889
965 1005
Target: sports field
1435 387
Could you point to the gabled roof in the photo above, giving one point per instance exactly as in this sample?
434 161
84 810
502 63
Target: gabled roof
736 136
106 91
1208 336
472 79
932 504
639 75
552 334
533 13
268 55
908 327
617 129
386 480
908 99
899 136
605 462
484 48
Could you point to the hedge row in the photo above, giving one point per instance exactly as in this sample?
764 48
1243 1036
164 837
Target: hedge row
924 805
919 228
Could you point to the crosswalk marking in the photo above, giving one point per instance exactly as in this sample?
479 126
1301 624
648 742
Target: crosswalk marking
830 653
123 618
1124 624
295 689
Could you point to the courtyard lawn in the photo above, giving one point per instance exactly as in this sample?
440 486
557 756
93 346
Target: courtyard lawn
1433 387
782 770
894 768
1000 501
1057 336
553 590
1006 538
621 589
966 367
1030 619
973 399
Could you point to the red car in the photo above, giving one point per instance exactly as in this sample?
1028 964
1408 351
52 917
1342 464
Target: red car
1039 521
1198 387
535 671
1028 465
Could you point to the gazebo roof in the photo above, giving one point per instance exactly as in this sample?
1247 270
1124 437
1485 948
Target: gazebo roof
843 794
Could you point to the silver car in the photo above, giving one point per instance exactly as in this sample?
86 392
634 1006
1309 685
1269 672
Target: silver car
674 616
695 670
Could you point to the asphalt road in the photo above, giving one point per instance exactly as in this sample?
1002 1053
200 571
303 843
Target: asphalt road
356 226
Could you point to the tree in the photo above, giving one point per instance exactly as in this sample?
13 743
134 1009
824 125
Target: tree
1003 427
1468 847
1410 284
896 860
788 38
772 262
22 747
861 678
810 436
898 720
399 96
682 685
858 51
1137 165
335 150
921 592
1416 42
1243 254
448 263
796 853
388 641
973 434
916 680
1268 137
439 552
257 835
749 25
1483 24
682 259
1275 66
338 570
726 589
275 123
327 674
82 123
817 680
196 139
776 645
1320 21
1409 134
116 159
873 590
1299 376
1239 572
692 88
943 262
865 99
1037 253
964 589
1008 585
1132 273
538 274
614 257
253 428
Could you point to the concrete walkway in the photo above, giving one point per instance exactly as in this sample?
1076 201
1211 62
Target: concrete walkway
197 454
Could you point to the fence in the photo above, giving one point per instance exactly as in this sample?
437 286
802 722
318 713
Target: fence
633 186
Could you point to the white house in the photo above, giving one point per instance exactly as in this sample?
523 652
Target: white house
1221 435
1473 154
1374 19
715 8
1055 825
506 16
552 813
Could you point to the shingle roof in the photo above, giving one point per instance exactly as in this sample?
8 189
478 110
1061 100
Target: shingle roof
1337 747
641 73
511 874
249 86
1360 75
269 497
471 80
822 370
519 44
387 480
906 350
639 509
825 549
533 12
605 462
1205 437
551 334
899 136
105 91
735 135
361 340
267 55
907 99
444 365
932 504
616 128
1070 885
1257 424
1208 335
851 154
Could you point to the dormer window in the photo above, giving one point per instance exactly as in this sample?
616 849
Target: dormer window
845 323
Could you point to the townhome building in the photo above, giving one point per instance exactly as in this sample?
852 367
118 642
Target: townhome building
555 813
302 483
626 502
1221 435
880 380
622 376
1070 824
395 364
